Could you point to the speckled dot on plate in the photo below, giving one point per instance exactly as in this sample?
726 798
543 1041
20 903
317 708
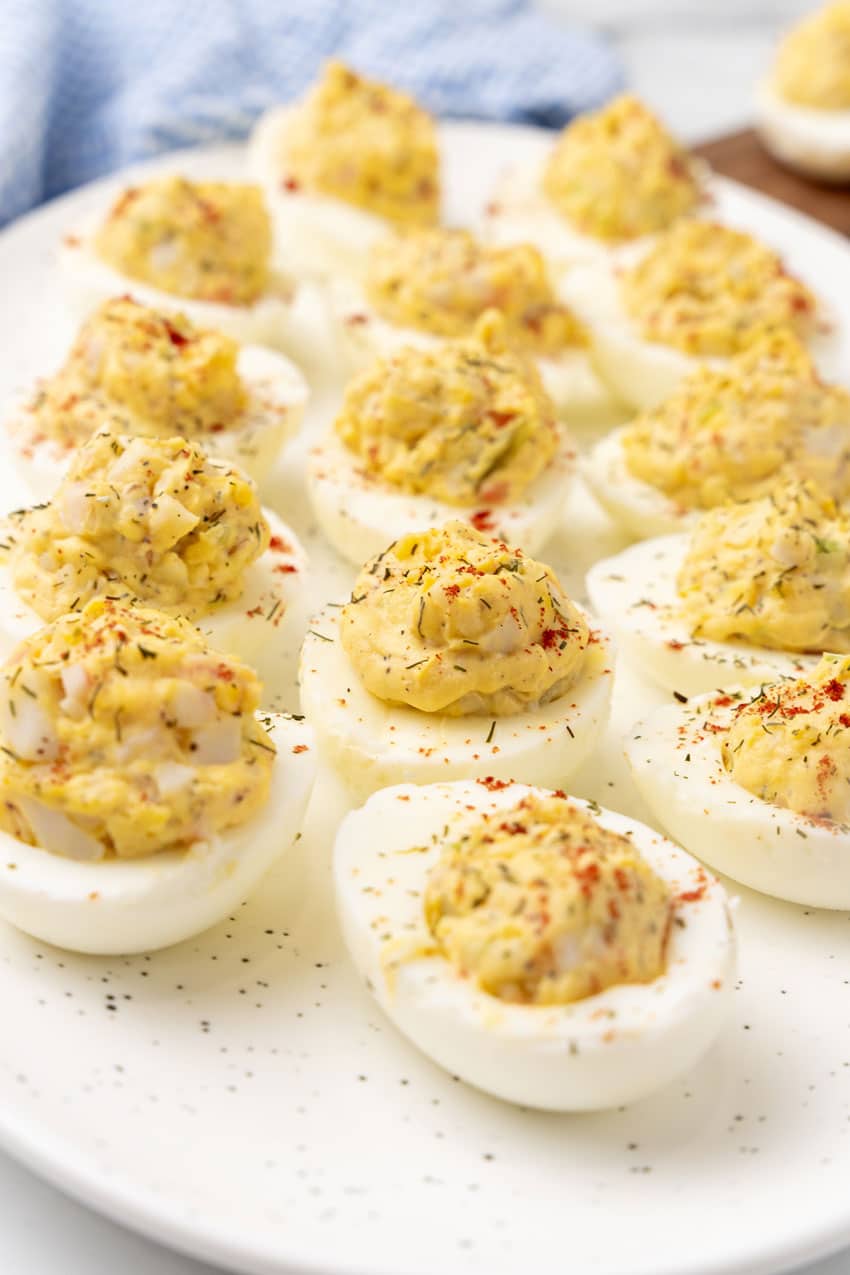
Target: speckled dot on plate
241 1096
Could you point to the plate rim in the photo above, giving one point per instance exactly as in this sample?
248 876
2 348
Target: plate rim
61 1163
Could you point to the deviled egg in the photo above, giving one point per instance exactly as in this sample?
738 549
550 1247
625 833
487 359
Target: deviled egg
343 166
429 434
758 785
204 248
455 657
613 178
726 434
145 372
545 950
156 521
143 797
430 285
803 105
756 591
701 293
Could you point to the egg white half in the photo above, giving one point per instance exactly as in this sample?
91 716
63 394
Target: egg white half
121 906
275 319
634 593
641 373
676 763
263 627
372 744
638 507
581 398
358 514
814 142
277 395
519 211
317 235
612 1048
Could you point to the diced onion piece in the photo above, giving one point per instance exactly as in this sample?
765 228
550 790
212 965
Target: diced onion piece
218 743
56 832
29 733
171 776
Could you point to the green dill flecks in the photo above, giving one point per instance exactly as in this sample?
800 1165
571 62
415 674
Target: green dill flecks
491 732
274 610
419 620
323 637
416 663
258 743
460 668
145 652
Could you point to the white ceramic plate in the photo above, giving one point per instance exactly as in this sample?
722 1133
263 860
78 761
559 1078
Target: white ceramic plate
242 1098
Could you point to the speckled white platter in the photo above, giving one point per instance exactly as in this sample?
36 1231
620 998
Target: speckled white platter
242 1098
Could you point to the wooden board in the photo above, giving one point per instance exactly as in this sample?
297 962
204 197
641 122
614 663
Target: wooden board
742 156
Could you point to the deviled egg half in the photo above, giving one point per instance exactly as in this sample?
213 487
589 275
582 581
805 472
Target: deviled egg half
157 521
701 293
143 796
803 104
343 166
204 248
147 372
725 434
756 591
545 950
430 285
465 428
613 178
455 657
758 784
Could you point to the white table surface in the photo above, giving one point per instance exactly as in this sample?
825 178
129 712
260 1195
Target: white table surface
695 61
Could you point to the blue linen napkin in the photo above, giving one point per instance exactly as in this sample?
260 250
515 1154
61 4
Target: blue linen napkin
87 86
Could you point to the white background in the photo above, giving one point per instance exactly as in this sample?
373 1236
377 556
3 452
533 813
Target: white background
695 61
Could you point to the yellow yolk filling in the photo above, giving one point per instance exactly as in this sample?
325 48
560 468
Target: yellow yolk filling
773 571
813 63
125 734
207 240
618 174
448 621
726 434
442 281
708 290
790 745
541 905
154 520
145 373
366 143
466 423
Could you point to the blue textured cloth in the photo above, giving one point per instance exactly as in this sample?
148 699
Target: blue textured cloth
86 86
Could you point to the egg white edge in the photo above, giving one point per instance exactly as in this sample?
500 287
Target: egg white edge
270 379
316 235
641 509
766 847
105 908
262 640
359 735
87 281
816 142
359 514
634 594
608 1049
